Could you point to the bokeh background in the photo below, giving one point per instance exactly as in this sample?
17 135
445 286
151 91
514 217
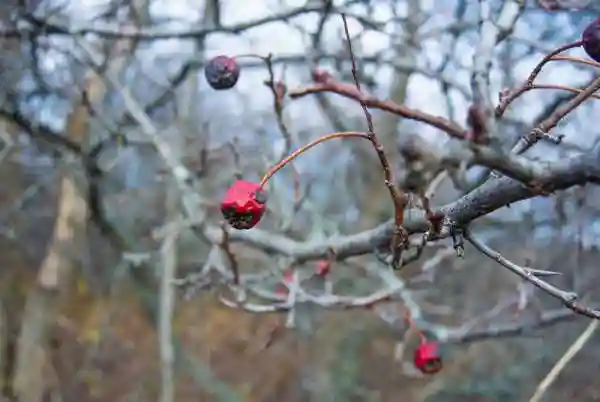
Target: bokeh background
90 317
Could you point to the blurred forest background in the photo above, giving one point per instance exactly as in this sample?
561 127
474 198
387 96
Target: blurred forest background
92 307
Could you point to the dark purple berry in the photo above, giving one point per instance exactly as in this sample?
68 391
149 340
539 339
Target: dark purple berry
222 72
591 40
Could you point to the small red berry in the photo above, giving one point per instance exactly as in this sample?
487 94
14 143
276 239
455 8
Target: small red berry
591 40
222 72
322 268
288 276
244 204
427 358
281 290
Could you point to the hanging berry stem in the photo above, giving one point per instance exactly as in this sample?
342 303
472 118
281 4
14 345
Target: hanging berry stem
300 151
412 324
399 199
577 60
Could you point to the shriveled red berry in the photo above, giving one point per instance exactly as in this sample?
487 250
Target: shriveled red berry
222 72
427 358
591 40
244 204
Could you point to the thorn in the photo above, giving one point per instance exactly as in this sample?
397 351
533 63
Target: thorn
571 297
542 272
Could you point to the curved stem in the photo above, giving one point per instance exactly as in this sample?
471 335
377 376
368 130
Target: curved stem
591 63
411 323
548 58
300 151
559 88
513 95
250 56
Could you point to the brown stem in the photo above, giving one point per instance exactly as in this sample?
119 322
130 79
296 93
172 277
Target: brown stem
398 197
506 101
300 151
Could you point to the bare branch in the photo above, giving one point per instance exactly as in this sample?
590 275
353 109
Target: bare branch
42 26
569 299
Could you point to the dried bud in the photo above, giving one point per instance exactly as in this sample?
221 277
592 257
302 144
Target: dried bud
322 268
436 218
477 121
321 76
280 90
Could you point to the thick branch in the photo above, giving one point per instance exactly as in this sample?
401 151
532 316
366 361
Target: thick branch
493 195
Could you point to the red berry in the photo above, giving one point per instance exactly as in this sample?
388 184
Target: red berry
322 268
281 290
244 204
427 358
591 40
222 72
288 276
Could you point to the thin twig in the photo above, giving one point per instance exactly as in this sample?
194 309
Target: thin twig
569 299
579 343
399 198
166 305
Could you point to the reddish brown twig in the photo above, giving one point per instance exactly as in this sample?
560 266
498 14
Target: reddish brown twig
561 88
560 113
573 59
349 91
509 98
477 120
399 198
278 90
300 151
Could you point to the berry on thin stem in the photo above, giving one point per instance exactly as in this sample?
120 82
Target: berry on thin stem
277 167
222 72
427 357
244 204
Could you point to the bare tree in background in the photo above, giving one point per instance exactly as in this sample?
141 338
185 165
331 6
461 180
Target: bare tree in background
419 157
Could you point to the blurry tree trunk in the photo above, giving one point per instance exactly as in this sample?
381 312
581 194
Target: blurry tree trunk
56 271
61 258
14 182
